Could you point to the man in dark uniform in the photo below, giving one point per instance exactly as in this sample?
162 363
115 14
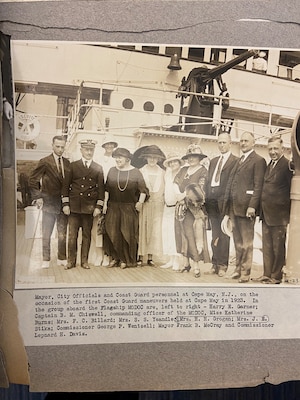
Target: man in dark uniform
275 212
45 184
242 202
218 174
83 196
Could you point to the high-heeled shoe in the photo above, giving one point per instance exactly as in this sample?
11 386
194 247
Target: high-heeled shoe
187 268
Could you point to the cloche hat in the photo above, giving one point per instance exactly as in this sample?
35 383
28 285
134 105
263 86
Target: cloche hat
122 152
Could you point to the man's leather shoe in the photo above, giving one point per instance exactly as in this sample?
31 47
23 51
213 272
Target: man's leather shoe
151 263
235 275
85 266
69 266
123 265
221 273
273 281
261 279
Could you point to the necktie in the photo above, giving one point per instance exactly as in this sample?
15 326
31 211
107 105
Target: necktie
218 174
86 164
270 168
60 170
242 159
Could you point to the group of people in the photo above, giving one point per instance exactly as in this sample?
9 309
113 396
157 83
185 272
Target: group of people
135 209
249 188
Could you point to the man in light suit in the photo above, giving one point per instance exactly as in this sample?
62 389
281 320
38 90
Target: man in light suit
45 184
218 175
83 196
275 212
242 203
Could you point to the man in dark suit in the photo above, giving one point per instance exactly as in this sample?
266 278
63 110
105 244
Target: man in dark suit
275 212
45 184
218 175
242 202
83 196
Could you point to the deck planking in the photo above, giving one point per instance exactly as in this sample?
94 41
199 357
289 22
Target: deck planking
29 271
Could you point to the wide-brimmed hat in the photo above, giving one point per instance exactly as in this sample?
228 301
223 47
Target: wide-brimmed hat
139 156
172 157
152 151
226 226
194 150
88 143
109 139
122 152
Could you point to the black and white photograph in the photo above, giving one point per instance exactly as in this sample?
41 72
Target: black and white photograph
155 164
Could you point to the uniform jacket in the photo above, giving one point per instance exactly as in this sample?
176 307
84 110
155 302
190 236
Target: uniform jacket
219 190
245 186
83 188
45 182
275 199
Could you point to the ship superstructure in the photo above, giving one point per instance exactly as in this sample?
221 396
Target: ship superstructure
136 94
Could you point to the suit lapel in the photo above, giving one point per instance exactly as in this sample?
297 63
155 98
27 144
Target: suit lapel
268 173
248 159
54 166
272 170
229 161
214 163
88 171
65 162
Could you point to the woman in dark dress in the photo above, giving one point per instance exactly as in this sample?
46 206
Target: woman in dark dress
126 192
190 227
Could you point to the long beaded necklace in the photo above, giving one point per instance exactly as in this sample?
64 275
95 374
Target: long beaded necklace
118 181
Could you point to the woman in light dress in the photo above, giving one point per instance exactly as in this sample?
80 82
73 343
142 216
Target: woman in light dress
150 221
173 163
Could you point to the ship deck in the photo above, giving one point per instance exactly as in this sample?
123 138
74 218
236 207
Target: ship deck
30 274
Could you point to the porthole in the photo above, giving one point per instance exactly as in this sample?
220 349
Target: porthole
168 109
148 106
127 104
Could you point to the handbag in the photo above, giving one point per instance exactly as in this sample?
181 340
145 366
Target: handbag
180 211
